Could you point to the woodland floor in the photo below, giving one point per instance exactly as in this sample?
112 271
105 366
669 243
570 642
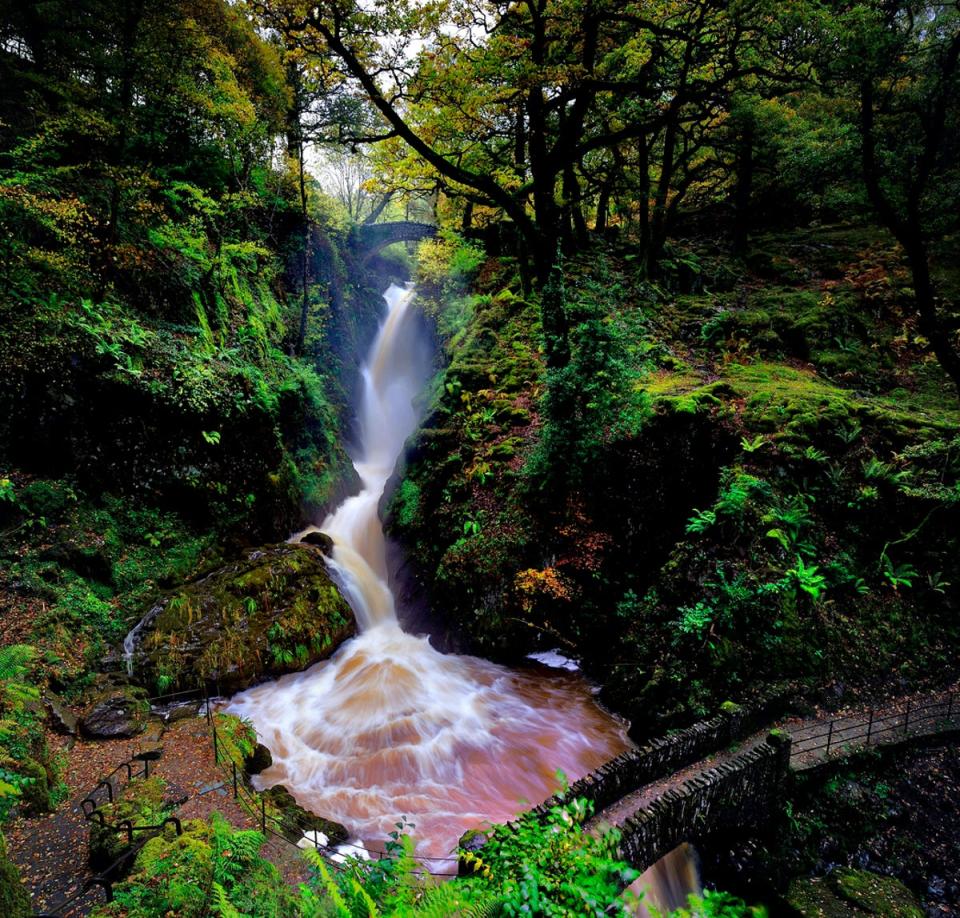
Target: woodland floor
51 851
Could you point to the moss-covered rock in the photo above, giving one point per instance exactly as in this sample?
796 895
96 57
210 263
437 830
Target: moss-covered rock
846 893
179 875
144 803
295 821
274 611
116 712
14 900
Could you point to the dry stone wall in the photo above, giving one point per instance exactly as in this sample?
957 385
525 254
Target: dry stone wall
667 755
744 793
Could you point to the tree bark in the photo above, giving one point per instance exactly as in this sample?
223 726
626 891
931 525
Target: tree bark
930 325
743 191
603 206
908 231
643 170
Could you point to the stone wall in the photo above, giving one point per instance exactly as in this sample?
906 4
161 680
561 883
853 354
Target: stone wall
666 755
744 793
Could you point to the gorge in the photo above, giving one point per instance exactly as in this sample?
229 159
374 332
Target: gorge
391 728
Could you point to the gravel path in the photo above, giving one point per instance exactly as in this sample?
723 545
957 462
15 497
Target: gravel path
51 851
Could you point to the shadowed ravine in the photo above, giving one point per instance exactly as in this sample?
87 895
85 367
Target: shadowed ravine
390 727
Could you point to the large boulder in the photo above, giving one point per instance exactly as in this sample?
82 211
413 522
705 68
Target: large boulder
115 713
274 611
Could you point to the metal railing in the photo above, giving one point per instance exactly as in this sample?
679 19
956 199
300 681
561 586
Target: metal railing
842 735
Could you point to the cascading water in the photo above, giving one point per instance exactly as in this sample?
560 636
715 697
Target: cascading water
388 726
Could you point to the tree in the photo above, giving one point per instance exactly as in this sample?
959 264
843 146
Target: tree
901 61
131 131
504 101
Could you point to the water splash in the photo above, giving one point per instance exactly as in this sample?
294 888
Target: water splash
389 727
667 884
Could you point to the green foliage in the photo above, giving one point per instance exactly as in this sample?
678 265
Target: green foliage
14 899
718 904
211 868
554 866
739 491
590 399
808 578
26 768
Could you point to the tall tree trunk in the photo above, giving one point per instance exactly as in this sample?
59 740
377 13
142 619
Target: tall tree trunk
658 223
603 206
643 171
744 190
128 58
571 193
907 229
930 325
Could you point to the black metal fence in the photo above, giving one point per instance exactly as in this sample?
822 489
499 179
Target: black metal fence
812 745
285 827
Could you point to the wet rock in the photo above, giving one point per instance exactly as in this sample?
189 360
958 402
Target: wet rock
61 718
151 747
259 761
296 822
273 611
937 888
117 714
173 713
472 842
319 540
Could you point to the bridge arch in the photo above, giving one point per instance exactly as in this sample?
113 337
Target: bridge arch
371 238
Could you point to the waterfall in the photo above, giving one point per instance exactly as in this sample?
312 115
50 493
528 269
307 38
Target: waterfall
389 727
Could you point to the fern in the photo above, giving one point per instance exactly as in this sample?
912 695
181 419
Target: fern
329 884
222 906
454 899
233 850
14 661
364 897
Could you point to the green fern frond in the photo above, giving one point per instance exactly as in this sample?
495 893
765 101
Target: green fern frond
329 884
222 906
364 896
15 661
454 899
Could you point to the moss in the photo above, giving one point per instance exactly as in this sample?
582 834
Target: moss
274 611
295 821
845 893
37 796
143 803
14 899
405 504
877 895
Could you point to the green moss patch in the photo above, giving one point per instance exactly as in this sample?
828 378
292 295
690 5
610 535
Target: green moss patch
272 612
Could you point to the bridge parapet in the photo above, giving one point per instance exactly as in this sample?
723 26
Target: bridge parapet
743 793
664 756
371 238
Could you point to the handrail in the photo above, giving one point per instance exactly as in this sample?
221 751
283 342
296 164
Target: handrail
851 730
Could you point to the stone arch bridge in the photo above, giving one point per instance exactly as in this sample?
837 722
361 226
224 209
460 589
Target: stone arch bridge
728 775
369 239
